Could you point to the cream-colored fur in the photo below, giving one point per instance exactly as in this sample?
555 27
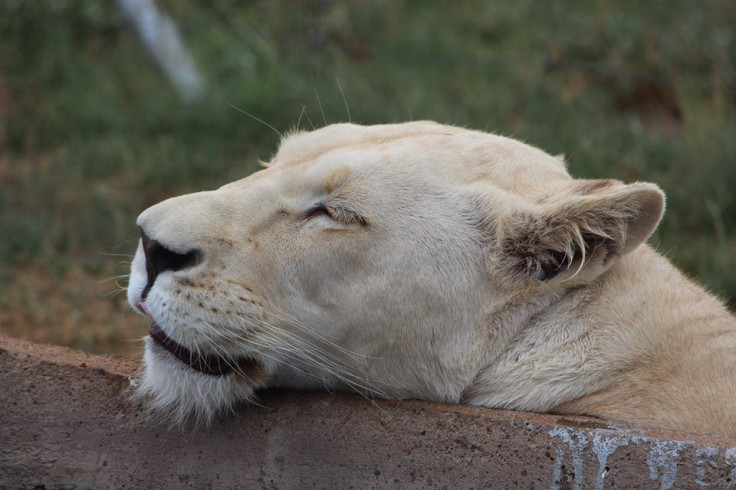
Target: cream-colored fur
426 261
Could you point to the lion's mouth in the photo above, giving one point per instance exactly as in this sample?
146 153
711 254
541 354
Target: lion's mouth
204 363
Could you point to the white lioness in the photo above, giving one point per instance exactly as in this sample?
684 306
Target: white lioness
426 261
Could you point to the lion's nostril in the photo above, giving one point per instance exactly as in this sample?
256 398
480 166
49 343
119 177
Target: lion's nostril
160 259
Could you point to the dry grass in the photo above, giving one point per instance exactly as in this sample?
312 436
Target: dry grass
77 308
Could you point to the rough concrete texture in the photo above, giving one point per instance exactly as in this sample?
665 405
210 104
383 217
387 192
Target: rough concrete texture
66 422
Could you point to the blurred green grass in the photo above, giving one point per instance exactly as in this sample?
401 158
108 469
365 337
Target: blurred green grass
91 133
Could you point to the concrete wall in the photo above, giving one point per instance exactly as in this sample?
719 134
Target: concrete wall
66 422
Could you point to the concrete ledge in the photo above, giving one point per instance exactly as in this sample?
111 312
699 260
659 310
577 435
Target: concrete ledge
66 422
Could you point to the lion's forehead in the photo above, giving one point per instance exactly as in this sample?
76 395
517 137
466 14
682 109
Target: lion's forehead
416 152
302 147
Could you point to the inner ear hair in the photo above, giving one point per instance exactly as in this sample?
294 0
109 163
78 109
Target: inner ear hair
576 236
592 249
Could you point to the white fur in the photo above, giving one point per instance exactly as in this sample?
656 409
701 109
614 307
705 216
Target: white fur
451 265
182 394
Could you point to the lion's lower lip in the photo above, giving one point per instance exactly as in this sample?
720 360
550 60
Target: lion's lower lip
204 363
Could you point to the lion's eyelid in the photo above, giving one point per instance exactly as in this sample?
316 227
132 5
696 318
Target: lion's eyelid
319 208
336 212
346 215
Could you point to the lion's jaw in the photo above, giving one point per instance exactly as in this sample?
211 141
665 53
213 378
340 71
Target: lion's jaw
391 260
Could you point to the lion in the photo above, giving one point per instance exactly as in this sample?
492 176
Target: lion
425 261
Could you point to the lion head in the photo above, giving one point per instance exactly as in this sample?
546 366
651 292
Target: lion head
395 260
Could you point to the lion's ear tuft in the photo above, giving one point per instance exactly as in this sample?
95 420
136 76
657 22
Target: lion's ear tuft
575 237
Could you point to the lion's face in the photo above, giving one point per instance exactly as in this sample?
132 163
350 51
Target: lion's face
363 258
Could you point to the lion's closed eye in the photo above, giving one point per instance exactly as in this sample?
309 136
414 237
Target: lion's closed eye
318 209
337 213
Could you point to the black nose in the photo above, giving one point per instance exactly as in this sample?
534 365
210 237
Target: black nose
160 259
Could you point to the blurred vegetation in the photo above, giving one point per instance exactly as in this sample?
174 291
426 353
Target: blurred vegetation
91 133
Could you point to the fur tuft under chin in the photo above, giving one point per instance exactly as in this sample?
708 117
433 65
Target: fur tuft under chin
183 397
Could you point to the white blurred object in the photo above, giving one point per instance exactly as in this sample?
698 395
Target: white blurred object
159 35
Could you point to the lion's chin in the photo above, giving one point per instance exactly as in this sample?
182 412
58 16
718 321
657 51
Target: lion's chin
180 394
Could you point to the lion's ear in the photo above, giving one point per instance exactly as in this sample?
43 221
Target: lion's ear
574 236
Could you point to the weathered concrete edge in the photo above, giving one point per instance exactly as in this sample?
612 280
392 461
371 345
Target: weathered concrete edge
67 422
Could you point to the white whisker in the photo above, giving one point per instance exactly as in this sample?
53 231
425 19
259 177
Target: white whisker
319 102
347 109
316 356
309 120
256 118
299 120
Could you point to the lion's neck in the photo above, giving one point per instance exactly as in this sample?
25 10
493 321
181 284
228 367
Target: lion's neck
674 346
616 350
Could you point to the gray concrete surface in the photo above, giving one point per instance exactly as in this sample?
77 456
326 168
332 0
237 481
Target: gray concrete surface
67 422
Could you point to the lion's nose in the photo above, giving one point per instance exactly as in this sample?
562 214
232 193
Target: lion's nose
160 259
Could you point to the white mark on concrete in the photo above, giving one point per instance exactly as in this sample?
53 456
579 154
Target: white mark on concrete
664 455
557 473
730 457
577 441
706 456
603 448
